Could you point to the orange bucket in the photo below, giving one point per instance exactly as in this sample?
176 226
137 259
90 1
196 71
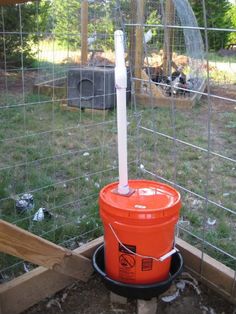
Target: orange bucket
139 231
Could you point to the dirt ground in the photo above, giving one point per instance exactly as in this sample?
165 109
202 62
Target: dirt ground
185 296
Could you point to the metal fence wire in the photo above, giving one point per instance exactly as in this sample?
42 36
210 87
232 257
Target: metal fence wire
58 138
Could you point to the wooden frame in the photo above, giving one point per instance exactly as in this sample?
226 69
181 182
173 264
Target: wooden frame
84 31
209 271
28 289
12 2
139 43
168 38
30 247
152 95
19 294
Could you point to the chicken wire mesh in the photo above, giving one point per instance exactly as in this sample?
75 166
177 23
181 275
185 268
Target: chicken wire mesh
174 55
62 155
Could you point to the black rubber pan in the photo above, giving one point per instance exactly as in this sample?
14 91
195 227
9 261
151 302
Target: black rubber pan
139 291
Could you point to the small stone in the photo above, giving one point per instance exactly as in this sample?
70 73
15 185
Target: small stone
147 307
115 298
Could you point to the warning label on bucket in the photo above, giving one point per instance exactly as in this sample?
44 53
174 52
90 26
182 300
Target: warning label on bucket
146 264
127 262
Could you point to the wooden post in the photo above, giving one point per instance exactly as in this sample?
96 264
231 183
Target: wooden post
84 31
139 44
133 8
10 2
168 37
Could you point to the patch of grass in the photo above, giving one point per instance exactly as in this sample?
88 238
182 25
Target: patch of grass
215 57
194 218
229 119
64 158
222 76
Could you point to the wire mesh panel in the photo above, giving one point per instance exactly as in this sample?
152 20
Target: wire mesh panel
56 157
191 148
58 138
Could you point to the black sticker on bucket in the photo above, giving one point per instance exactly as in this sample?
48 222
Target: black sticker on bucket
127 248
147 264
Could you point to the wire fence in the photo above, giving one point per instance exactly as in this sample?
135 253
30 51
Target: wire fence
58 136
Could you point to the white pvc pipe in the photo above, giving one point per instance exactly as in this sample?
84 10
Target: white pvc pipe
121 85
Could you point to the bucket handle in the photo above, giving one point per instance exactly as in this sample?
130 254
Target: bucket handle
160 259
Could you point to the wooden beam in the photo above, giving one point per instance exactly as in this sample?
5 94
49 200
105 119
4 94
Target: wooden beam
27 246
40 283
139 44
84 31
9 2
21 293
133 8
208 270
168 37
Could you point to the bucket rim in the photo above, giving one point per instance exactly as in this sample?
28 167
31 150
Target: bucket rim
168 210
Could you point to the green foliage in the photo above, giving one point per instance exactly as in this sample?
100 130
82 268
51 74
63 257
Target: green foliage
67 23
21 26
102 23
216 13
65 16
231 16
154 19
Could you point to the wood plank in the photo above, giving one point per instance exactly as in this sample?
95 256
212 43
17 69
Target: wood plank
102 112
155 101
65 107
139 44
208 270
25 245
58 92
9 2
30 288
133 12
84 31
168 38
151 95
